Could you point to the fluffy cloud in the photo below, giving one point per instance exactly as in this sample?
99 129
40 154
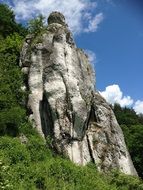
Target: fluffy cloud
91 56
77 12
94 22
113 94
138 107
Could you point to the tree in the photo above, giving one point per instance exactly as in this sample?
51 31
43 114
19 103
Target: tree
125 116
134 140
11 95
8 24
36 25
12 113
132 126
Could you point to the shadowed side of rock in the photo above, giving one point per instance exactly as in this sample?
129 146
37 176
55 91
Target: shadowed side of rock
64 103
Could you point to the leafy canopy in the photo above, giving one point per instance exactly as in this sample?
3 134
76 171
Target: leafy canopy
132 126
35 26
8 24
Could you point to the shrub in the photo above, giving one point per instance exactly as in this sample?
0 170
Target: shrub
14 150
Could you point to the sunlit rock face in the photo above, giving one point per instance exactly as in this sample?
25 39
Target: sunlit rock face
64 104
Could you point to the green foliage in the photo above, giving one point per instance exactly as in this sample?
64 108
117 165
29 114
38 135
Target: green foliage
36 25
8 25
14 151
12 113
53 172
36 143
11 95
134 140
11 44
6 20
5 175
126 116
132 126
125 182
10 120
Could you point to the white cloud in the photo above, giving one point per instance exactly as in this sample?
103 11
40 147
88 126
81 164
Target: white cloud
77 12
94 22
113 94
138 107
91 56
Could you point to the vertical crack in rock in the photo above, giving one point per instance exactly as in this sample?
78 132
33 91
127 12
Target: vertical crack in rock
90 149
47 122
64 104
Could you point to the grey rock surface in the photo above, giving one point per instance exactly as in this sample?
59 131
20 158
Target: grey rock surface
64 104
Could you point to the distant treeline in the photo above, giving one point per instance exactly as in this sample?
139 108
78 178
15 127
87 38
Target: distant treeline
132 126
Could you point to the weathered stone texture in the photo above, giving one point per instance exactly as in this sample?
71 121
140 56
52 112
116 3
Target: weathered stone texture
64 103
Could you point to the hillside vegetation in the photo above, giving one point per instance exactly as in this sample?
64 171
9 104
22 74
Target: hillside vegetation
26 160
132 126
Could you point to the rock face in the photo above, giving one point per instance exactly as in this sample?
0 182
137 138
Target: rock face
64 104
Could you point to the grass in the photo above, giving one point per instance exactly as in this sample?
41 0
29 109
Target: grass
33 166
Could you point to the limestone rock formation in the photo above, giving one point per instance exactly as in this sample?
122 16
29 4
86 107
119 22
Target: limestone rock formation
64 104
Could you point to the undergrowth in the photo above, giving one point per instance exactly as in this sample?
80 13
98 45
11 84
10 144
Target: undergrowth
31 165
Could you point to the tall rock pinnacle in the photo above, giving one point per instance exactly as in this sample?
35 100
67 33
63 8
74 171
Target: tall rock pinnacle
64 104
56 17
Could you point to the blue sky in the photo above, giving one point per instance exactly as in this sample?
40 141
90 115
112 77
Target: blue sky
111 31
118 45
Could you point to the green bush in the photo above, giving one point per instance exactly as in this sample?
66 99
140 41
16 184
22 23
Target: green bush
35 26
5 177
10 120
125 182
14 150
132 126
37 149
